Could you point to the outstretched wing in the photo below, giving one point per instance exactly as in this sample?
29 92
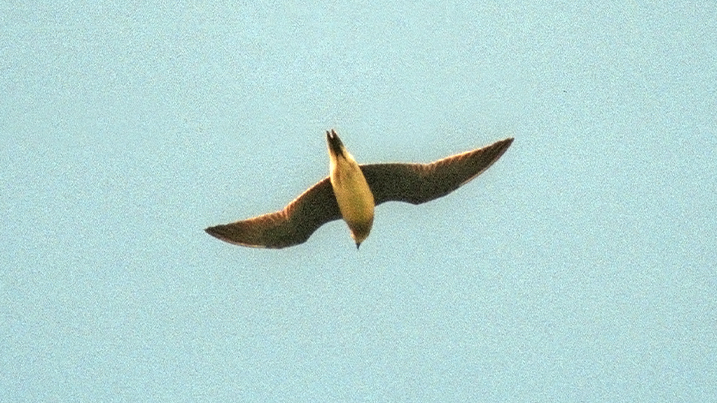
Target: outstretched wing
419 183
291 226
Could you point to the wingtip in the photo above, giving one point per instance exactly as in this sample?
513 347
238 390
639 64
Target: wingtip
220 232
213 232
502 146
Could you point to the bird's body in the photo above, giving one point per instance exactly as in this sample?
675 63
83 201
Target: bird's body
352 191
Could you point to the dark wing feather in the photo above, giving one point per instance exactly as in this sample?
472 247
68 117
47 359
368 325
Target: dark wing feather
420 183
291 226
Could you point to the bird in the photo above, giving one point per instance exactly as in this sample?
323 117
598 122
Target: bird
351 191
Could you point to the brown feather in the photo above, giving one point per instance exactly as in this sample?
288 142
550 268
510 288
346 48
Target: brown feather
412 183
291 226
420 183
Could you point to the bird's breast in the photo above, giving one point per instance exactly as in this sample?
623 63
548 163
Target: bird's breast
353 194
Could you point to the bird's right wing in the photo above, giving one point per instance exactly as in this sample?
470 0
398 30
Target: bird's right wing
420 183
291 226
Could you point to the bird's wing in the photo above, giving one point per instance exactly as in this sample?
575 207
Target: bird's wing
291 226
419 183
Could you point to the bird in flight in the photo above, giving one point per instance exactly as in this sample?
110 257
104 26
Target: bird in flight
351 191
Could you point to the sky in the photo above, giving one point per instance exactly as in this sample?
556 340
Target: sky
580 267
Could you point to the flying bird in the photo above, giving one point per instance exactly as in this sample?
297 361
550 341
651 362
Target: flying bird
351 191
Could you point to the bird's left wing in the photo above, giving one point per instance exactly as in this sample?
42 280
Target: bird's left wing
291 226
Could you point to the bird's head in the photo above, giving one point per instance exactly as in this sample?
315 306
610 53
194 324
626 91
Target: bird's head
360 231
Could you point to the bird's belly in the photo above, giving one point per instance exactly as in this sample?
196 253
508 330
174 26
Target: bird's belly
354 197
356 208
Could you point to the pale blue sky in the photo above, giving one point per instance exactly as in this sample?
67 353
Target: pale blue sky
580 267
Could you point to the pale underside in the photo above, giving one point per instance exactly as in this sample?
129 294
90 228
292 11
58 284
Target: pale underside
411 183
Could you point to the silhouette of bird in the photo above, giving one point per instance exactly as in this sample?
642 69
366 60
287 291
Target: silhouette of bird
351 191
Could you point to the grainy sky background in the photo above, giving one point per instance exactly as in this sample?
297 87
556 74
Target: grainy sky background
580 267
